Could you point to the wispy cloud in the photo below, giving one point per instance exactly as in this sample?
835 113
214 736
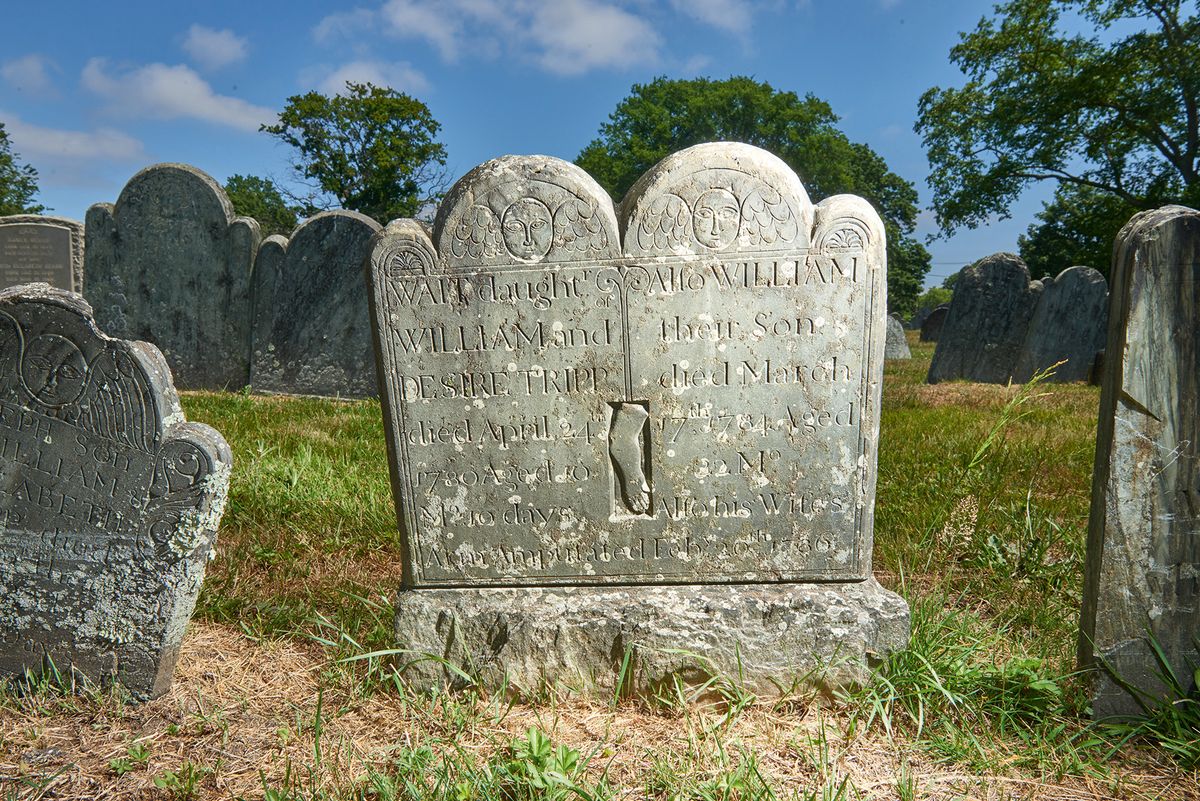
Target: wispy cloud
728 15
36 143
29 73
399 75
164 91
567 37
213 49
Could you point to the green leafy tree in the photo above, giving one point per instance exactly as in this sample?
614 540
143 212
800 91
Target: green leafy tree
18 182
665 115
1110 111
372 150
259 198
1077 227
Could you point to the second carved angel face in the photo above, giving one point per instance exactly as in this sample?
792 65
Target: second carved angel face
716 219
527 228
53 370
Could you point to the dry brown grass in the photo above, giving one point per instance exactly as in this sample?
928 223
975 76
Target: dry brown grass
244 711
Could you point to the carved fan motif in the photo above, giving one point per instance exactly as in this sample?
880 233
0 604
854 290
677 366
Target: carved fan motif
406 258
846 235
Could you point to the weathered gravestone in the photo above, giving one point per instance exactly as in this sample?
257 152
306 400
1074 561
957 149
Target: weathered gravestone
668 446
986 324
896 346
40 248
170 264
109 501
1143 555
931 327
1068 325
312 329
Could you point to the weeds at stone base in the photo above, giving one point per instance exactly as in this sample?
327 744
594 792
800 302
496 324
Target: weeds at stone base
284 690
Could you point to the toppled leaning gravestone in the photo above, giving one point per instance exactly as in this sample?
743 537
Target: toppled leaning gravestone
636 449
109 500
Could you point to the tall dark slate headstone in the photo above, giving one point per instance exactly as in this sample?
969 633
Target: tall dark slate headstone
1069 323
170 264
1143 555
109 500
897 345
658 435
40 248
986 324
931 327
312 329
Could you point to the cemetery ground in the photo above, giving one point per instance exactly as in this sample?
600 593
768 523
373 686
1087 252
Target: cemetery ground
980 522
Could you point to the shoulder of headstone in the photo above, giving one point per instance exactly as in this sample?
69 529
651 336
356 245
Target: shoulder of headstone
835 212
404 241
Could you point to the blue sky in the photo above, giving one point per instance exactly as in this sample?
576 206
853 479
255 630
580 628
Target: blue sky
91 92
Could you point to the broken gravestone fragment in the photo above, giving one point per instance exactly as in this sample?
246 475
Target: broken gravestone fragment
658 426
109 500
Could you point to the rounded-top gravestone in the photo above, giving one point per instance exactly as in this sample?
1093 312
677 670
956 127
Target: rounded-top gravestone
1068 325
170 264
109 500
597 429
987 321
897 345
312 329
931 326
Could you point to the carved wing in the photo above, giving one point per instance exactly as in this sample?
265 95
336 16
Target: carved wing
578 228
12 346
477 234
767 219
666 225
118 402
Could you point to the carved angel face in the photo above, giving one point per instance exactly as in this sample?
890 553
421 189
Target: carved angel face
527 229
716 218
54 370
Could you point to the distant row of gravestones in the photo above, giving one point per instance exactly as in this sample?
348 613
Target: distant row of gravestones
1000 326
170 263
614 435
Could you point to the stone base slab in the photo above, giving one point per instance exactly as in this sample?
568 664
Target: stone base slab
765 637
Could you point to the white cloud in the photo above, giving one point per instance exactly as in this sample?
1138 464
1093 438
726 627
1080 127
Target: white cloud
580 35
727 15
400 76
170 92
36 143
567 37
213 49
29 73
439 24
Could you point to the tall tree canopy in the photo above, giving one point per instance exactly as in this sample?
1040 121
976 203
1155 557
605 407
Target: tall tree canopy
372 150
259 198
18 182
1112 114
1077 226
663 116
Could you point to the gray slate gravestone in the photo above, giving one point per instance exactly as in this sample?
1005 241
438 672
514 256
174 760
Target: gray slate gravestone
170 264
312 329
1143 553
109 501
896 346
1069 323
986 324
931 327
34 247
590 445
